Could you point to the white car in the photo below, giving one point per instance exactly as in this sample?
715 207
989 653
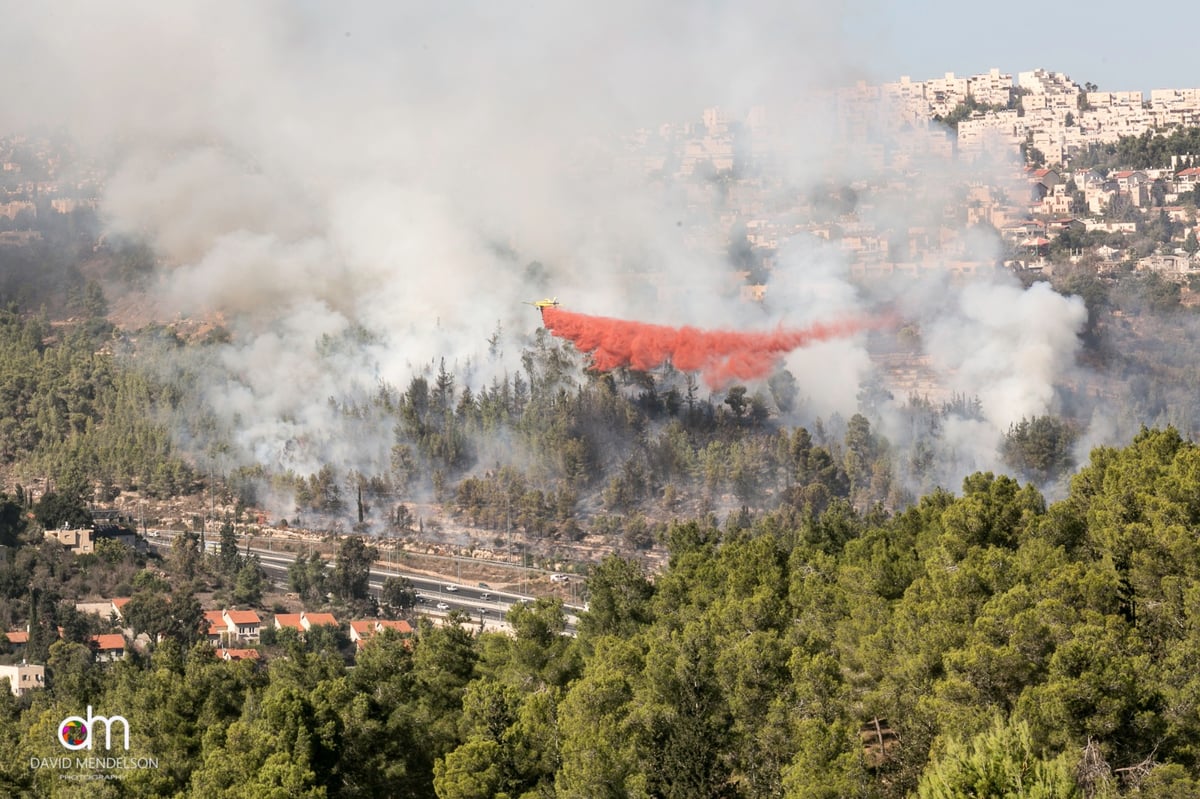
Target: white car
442 606
452 588
485 595
559 578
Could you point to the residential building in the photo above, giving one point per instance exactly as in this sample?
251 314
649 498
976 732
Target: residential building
289 621
1173 267
108 647
78 540
303 621
216 628
17 639
310 620
244 624
24 677
363 631
1187 179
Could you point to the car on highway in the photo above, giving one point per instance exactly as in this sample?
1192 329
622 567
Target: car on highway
452 588
442 606
485 595
559 578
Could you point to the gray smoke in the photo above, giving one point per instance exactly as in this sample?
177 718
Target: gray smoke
357 192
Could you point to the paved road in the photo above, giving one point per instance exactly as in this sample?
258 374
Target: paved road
432 595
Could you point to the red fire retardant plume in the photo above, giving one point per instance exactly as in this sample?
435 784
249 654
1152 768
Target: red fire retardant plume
721 356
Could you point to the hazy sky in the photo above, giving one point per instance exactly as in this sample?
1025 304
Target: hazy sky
1116 44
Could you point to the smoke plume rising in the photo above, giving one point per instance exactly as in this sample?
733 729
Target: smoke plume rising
361 191
720 356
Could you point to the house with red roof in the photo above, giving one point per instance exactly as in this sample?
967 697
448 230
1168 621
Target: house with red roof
244 624
215 628
362 631
310 620
303 621
1043 182
17 639
226 626
1187 179
399 625
108 647
289 621
238 654
1129 179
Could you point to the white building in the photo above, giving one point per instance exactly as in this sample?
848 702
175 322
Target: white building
24 678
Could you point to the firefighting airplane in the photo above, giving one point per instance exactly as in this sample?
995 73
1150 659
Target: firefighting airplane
542 305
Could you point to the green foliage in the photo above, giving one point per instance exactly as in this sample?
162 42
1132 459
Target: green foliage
250 582
979 645
619 599
12 520
307 577
999 762
351 571
56 510
397 595
66 410
749 666
1151 149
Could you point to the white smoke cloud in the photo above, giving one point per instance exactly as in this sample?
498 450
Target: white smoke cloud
1008 346
309 170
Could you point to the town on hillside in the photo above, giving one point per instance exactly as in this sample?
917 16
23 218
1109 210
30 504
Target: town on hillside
1050 171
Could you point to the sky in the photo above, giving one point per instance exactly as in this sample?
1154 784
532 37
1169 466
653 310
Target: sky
1112 43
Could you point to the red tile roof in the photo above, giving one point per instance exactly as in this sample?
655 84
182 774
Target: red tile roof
238 654
399 625
243 617
216 622
319 619
108 642
17 636
288 620
365 628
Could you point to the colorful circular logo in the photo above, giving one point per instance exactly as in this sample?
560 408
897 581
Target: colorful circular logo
73 733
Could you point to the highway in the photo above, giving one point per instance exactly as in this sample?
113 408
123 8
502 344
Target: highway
434 597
